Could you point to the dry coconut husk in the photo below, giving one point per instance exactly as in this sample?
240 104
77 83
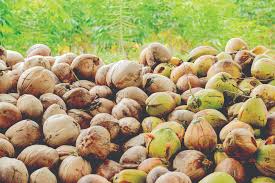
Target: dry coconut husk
36 81
134 93
133 157
61 88
101 92
5 82
101 105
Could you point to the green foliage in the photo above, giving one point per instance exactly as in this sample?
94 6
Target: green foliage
117 29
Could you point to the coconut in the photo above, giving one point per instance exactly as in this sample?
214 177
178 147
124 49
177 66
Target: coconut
224 56
266 93
261 179
93 178
227 66
203 64
66 150
77 98
6 148
81 117
36 61
100 77
127 108
235 44
108 169
39 49
182 116
101 105
61 88
3 53
52 110
153 83
187 82
164 69
9 114
30 107
95 141
123 74
36 81
176 177
135 141
43 175
107 121
248 84
148 164
200 51
5 82
130 175
263 69
155 173
50 59
49 99
265 160
134 93
86 65
38 156
64 72
175 126
133 157
13 170
101 92
258 50
218 177
24 133
8 99
73 168
83 84
60 129
185 95
184 68
66 58
13 57
129 126
149 123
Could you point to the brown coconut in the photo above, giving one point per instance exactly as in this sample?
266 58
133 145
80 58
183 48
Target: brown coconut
8 98
148 164
86 65
66 58
187 82
38 156
61 88
30 107
36 61
73 168
175 177
77 98
52 110
13 171
101 92
155 173
49 99
184 117
101 105
43 175
100 77
135 141
9 114
60 129
5 82
66 150
24 133
184 68
127 108
185 95
64 72
107 121
14 76
81 117
13 57
39 49
108 169
153 83
36 81
6 148
93 178
129 126
3 53
133 157
83 84
134 93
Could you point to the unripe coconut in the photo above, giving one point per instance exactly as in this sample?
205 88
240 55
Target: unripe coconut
8 99
61 88
66 58
262 179
184 68
36 81
155 173
9 114
36 61
148 164
108 169
13 57
107 121
200 136
6 148
100 77
77 98
188 81
233 168
159 104
135 141
83 84
228 66
216 119
5 82
248 84
235 44
43 175
192 163
224 56
253 112
123 74
182 116
218 177
86 65
49 99
149 123
175 177
127 108
130 175
133 157
24 133
64 72
73 168
263 69
81 117
95 141
30 107
175 126
164 69
153 54
258 50
101 105
13 170
265 92
52 110
39 49
66 150
175 61
233 110
265 160
132 92
129 126
203 64
185 95
92 178
176 97
101 92
234 125
272 82
219 154
201 50
60 129
162 143
38 156
240 144
205 99
153 83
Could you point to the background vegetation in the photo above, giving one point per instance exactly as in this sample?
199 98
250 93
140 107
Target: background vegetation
117 29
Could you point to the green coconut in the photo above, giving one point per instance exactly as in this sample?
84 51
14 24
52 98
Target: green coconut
149 123
265 160
131 176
